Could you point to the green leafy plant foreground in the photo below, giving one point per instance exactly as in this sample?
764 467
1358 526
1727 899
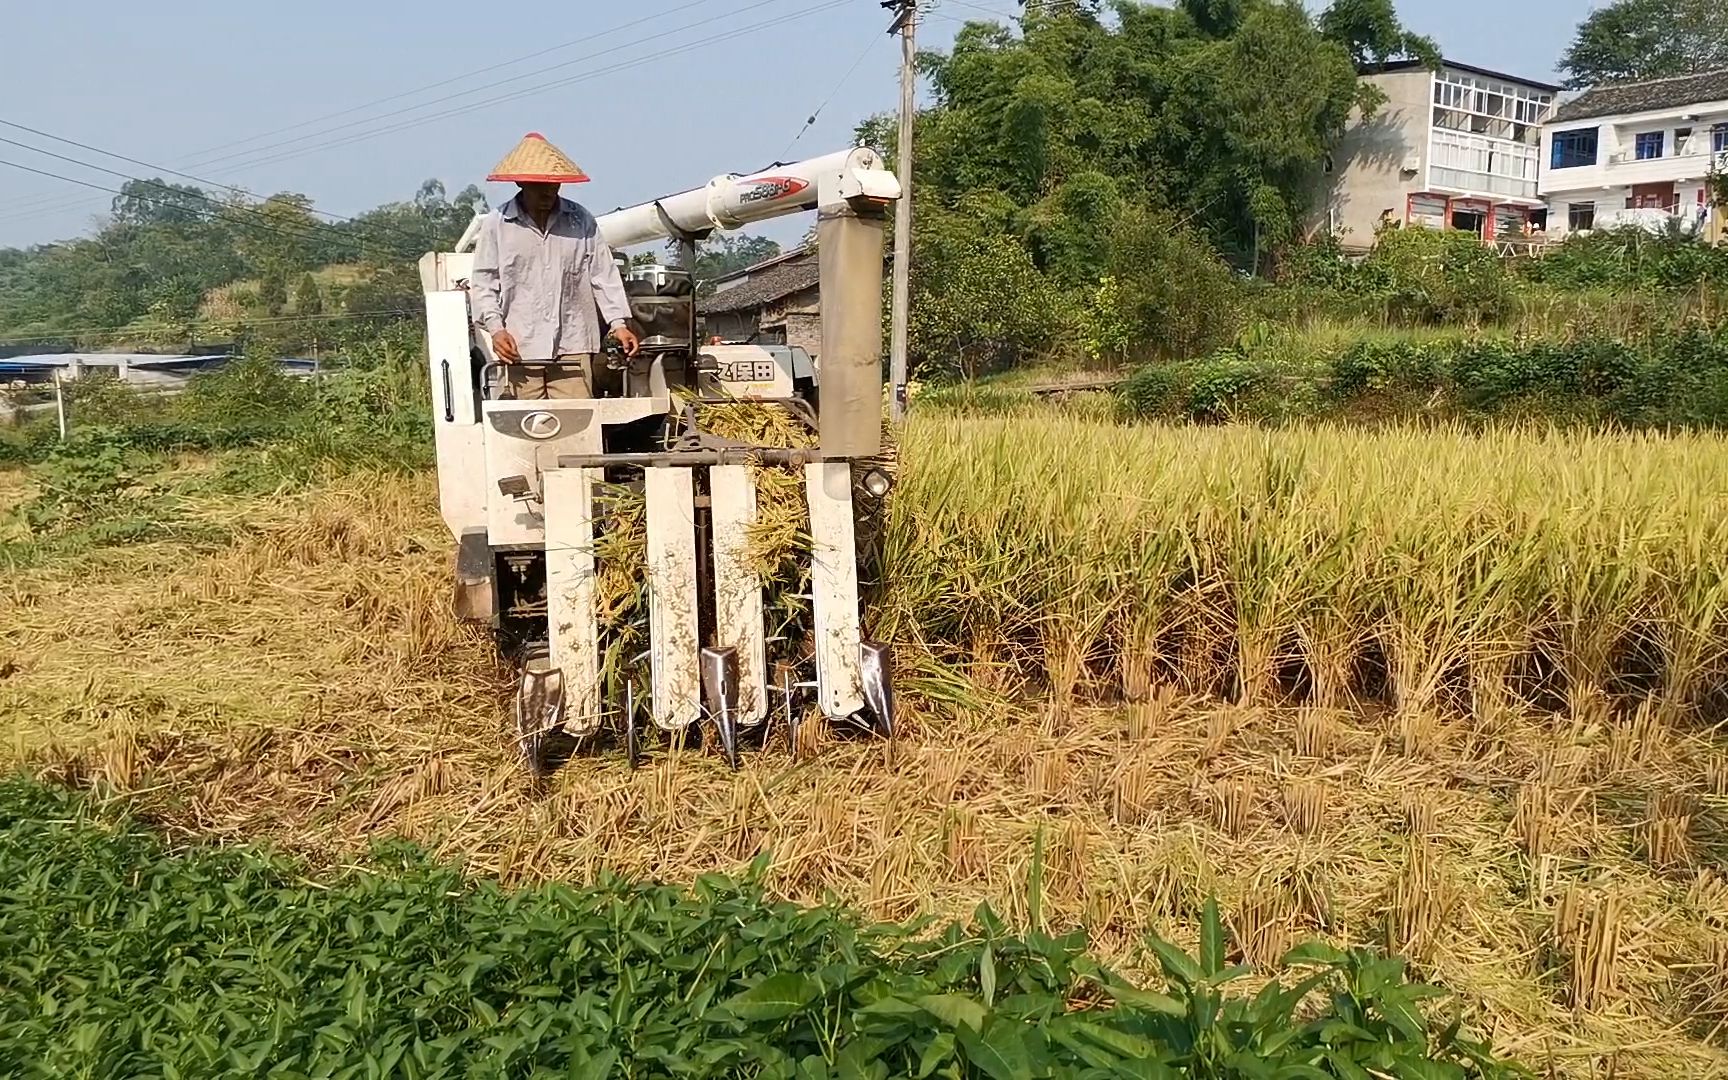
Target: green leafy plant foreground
119 957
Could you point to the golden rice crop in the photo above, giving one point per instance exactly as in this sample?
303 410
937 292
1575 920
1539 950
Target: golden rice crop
1430 689
1421 569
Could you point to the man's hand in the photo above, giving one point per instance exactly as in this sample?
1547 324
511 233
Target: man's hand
628 340
505 346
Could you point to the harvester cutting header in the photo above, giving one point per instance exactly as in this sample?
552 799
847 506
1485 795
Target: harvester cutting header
552 447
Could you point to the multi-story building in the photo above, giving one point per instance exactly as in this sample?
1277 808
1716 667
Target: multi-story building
1455 148
1640 153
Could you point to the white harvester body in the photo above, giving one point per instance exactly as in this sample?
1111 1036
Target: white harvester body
520 480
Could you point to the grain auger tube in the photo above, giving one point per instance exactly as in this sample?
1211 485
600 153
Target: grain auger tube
573 516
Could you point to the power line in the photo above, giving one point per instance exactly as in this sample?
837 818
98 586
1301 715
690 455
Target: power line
461 110
983 10
172 172
202 157
572 80
869 47
280 229
324 132
197 156
308 231
514 95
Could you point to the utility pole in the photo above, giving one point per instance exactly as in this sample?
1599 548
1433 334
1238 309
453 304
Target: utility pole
906 25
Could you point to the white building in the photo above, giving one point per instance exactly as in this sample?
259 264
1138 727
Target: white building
1456 148
1636 154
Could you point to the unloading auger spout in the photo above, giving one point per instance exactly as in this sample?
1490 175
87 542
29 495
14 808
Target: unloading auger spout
529 488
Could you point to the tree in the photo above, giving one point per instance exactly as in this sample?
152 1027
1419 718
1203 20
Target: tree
278 236
1216 18
155 202
722 254
307 299
1633 40
1371 31
1224 123
977 302
273 292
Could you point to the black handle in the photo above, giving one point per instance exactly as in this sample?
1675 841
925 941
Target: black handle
449 405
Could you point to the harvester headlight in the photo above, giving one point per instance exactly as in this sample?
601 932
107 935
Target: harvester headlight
876 483
540 425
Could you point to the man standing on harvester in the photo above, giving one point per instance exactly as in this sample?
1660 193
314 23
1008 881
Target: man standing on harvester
541 271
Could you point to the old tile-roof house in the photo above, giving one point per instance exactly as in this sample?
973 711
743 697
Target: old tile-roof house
775 302
1638 153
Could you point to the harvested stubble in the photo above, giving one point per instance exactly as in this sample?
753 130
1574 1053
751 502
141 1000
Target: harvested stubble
307 685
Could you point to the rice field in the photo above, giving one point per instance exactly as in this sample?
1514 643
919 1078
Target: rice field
1454 694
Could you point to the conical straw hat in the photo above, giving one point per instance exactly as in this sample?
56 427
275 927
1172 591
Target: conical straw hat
536 161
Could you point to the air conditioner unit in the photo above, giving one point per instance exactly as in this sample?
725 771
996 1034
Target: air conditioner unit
1411 164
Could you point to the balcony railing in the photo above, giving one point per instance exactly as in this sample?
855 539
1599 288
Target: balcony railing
1700 156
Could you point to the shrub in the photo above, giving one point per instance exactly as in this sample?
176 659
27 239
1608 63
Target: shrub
126 959
1671 379
1378 365
1431 277
1223 386
86 481
978 304
1629 258
1168 290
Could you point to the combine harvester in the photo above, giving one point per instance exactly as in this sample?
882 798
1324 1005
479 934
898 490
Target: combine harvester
521 482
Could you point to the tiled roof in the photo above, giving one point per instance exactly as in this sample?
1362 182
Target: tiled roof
774 283
1646 96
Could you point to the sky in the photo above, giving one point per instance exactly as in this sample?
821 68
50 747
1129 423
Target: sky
357 103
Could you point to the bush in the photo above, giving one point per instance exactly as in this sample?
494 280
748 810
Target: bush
978 305
1629 258
1168 292
1675 379
1426 277
86 481
1224 386
127 959
1416 277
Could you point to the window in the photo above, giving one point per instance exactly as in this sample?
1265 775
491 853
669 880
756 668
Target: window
1573 149
1719 139
1649 144
1581 215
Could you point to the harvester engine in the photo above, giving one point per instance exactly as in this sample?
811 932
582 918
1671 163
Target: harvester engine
609 540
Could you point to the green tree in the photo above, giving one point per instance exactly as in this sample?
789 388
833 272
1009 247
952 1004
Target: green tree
1632 40
307 299
279 236
273 292
156 202
1168 293
978 304
722 254
1225 123
1371 31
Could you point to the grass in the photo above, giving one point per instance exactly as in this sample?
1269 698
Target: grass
1451 693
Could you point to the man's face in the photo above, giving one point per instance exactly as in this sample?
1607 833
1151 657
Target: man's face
538 199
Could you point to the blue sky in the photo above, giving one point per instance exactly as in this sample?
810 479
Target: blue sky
696 87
